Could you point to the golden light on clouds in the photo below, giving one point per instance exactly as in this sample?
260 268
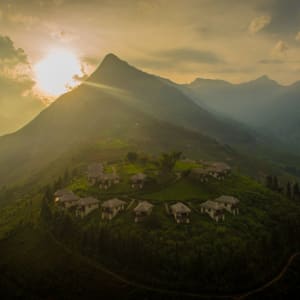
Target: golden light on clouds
55 73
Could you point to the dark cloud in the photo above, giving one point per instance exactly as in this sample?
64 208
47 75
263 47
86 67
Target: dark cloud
10 54
285 16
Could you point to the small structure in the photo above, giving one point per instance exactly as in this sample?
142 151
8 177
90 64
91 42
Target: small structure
59 193
229 203
86 205
111 208
219 170
142 210
213 209
66 199
107 180
180 212
94 172
200 174
138 180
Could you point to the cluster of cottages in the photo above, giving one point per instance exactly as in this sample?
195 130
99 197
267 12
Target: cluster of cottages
97 176
217 170
181 212
110 208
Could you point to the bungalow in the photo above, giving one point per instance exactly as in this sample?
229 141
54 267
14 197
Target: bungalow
219 170
66 199
142 210
111 208
107 180
59 193
94 172
213 209
180 212
138 180
86 205
229 203
200 174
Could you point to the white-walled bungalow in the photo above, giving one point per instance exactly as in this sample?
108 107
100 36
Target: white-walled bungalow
138 180
59 193
181 212
107 180
229 203
219 170
213 209
112 207
86 205
94 172
142 210
66 199
200 174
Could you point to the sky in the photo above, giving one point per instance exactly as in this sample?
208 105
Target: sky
233 40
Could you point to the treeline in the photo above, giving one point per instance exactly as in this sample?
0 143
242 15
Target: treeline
291 189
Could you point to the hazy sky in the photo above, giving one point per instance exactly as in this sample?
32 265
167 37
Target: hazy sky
234 40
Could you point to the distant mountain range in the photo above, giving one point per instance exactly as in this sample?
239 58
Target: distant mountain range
116 102
262 104
120 102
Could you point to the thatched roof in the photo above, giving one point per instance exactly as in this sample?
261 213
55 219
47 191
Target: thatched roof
211 205
143 206
180 208
220 167
109 176
227 200
68 198
138 177
199 171
112 203
88 201
62 192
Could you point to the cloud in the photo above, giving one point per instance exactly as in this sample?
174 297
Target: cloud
64 36
9 54
25 20
259 23
285 15
280 48
271 61
190 55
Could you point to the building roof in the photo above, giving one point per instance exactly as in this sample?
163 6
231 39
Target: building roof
220 166
138 177
143 206
95 170
87 201
109 176
68 198
180 208
111 203
60 193
211 204
227 200
199 171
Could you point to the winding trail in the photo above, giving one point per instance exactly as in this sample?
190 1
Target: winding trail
237 296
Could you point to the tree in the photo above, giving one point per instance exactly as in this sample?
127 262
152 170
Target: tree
289 190
275 184
132 157
168 161
269 182
296 191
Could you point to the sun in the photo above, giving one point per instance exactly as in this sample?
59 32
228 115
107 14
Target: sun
55 73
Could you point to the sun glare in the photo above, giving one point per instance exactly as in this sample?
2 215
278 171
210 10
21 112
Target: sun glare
55 72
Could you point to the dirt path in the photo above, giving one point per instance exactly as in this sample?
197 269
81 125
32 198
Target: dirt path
177 293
